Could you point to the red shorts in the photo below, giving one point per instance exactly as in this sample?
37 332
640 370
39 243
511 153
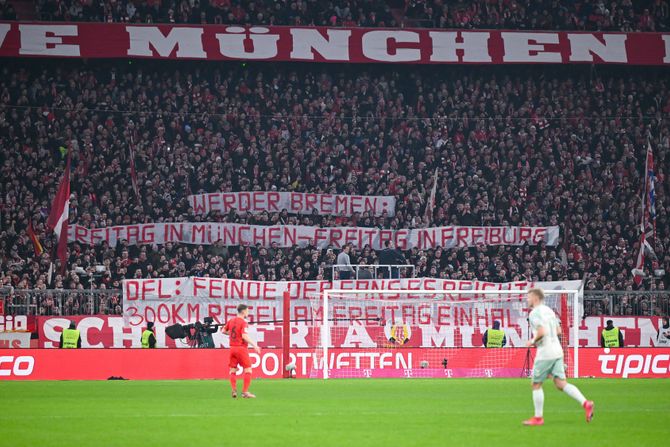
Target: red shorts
239 355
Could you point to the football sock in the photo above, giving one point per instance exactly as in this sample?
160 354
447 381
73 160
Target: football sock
538 401
247 382
574 392
233 381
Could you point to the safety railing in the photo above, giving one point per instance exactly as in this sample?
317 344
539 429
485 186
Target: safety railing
110 301
373 271
611 302
61 302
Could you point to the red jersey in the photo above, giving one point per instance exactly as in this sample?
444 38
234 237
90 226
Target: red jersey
236 327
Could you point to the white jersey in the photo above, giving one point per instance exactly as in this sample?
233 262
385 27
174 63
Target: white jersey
663 338
549 346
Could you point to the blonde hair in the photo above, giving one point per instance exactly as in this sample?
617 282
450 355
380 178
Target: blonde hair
538 293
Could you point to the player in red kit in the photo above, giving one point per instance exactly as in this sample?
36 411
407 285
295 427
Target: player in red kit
236 329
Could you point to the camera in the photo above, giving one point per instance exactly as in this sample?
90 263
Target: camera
197 335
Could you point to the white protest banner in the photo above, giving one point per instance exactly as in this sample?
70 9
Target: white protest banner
231 234
254 202
187 299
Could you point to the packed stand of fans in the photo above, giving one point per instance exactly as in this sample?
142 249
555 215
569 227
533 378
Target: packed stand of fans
618 15
613 15
7 11
530 146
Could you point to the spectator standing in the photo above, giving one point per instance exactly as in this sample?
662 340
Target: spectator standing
344 263
390 256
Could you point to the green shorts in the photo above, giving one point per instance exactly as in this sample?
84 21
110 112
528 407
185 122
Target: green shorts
543 368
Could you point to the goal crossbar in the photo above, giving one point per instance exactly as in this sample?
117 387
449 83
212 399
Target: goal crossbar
440 292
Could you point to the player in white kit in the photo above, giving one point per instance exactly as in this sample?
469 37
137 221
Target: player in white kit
549 357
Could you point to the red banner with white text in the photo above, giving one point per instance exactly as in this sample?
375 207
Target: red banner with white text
16 331
625 363
136 364
323 44
232 234
254 202
105 331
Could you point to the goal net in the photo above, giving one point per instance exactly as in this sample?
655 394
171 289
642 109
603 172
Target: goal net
427 333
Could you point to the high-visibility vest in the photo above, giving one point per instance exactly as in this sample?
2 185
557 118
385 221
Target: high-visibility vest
70 337
145 338
611 337
494 338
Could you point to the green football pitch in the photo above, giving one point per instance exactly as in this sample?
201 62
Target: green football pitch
386 412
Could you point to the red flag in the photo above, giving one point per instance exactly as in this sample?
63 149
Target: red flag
33 238
58 217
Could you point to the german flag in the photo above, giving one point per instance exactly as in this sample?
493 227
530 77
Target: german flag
33 238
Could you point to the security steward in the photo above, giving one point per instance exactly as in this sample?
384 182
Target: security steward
612 337
494 337
70 338
148 336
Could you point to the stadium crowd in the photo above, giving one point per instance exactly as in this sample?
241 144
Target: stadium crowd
529 146
613 15
7 11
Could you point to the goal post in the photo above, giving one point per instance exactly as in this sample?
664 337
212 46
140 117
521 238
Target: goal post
433 333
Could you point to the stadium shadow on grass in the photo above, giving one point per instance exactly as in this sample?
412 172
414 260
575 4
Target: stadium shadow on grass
417 412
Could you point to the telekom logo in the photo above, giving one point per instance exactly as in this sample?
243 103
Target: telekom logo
630 364
19 366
